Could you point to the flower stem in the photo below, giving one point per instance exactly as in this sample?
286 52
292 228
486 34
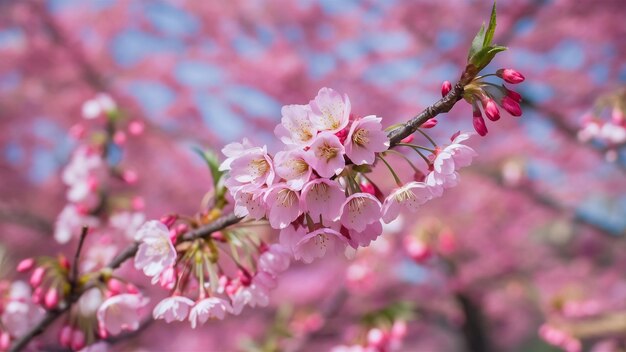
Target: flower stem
395 176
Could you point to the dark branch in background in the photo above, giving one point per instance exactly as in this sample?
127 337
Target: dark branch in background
26 219
81 242
473 328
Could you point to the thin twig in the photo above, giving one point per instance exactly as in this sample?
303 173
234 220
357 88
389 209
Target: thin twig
81 241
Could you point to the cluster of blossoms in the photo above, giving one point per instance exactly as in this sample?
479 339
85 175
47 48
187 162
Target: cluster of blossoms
559 338
379 338
315 191
92 164
485 97
18 311
609 131
220 285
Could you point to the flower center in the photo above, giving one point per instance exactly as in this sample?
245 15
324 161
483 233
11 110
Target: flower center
327 152
361 137
260 166
286 197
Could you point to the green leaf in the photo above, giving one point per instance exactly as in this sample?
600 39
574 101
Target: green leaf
210 157
491 29
477 43
485 55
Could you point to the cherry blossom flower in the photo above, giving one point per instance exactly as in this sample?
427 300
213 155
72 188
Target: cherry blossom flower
291 166
408 197
253 168
127 222
322 198
318 243
365 237
69 223
360 210
233 151
326 155
156 251
211 307
330 111
365 139
121 312
101 104
249 204
20 313
296 128
274 260
283 205
173 308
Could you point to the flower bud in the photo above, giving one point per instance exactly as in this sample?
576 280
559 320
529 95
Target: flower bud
65 336
136 128
5 341
115 286
65 264
511 106
446 87
429 124
417 249
408 139
119 137
78 340
490 108
52 298
37 295
25 265
169 220
479 122
37 277
513 95
510 75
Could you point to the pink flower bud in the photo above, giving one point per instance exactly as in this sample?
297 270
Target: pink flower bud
37 295
119 137
343 134
65 336
408 139
490 108
446 87
130 288
429 124
115 286
398 330
367 187
136 127
5 341
138 203
25 265
510 75
77 131
417 250
511 106
65 264
130 176
479 123
52 298
37 276
513 95
78 340
169 220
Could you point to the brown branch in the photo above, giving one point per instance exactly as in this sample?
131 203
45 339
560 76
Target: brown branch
26 219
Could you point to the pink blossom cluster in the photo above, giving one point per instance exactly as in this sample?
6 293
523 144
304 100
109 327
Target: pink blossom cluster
609 131
89 174
217 288
387 338
18 311
559 338
315 190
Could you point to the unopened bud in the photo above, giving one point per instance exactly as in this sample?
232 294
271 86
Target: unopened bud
78 340
429 124
37 277
136 128
479 123
51 299
25 265
490 108
446 87
65 336
511 106
408 139
169 220
510 75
